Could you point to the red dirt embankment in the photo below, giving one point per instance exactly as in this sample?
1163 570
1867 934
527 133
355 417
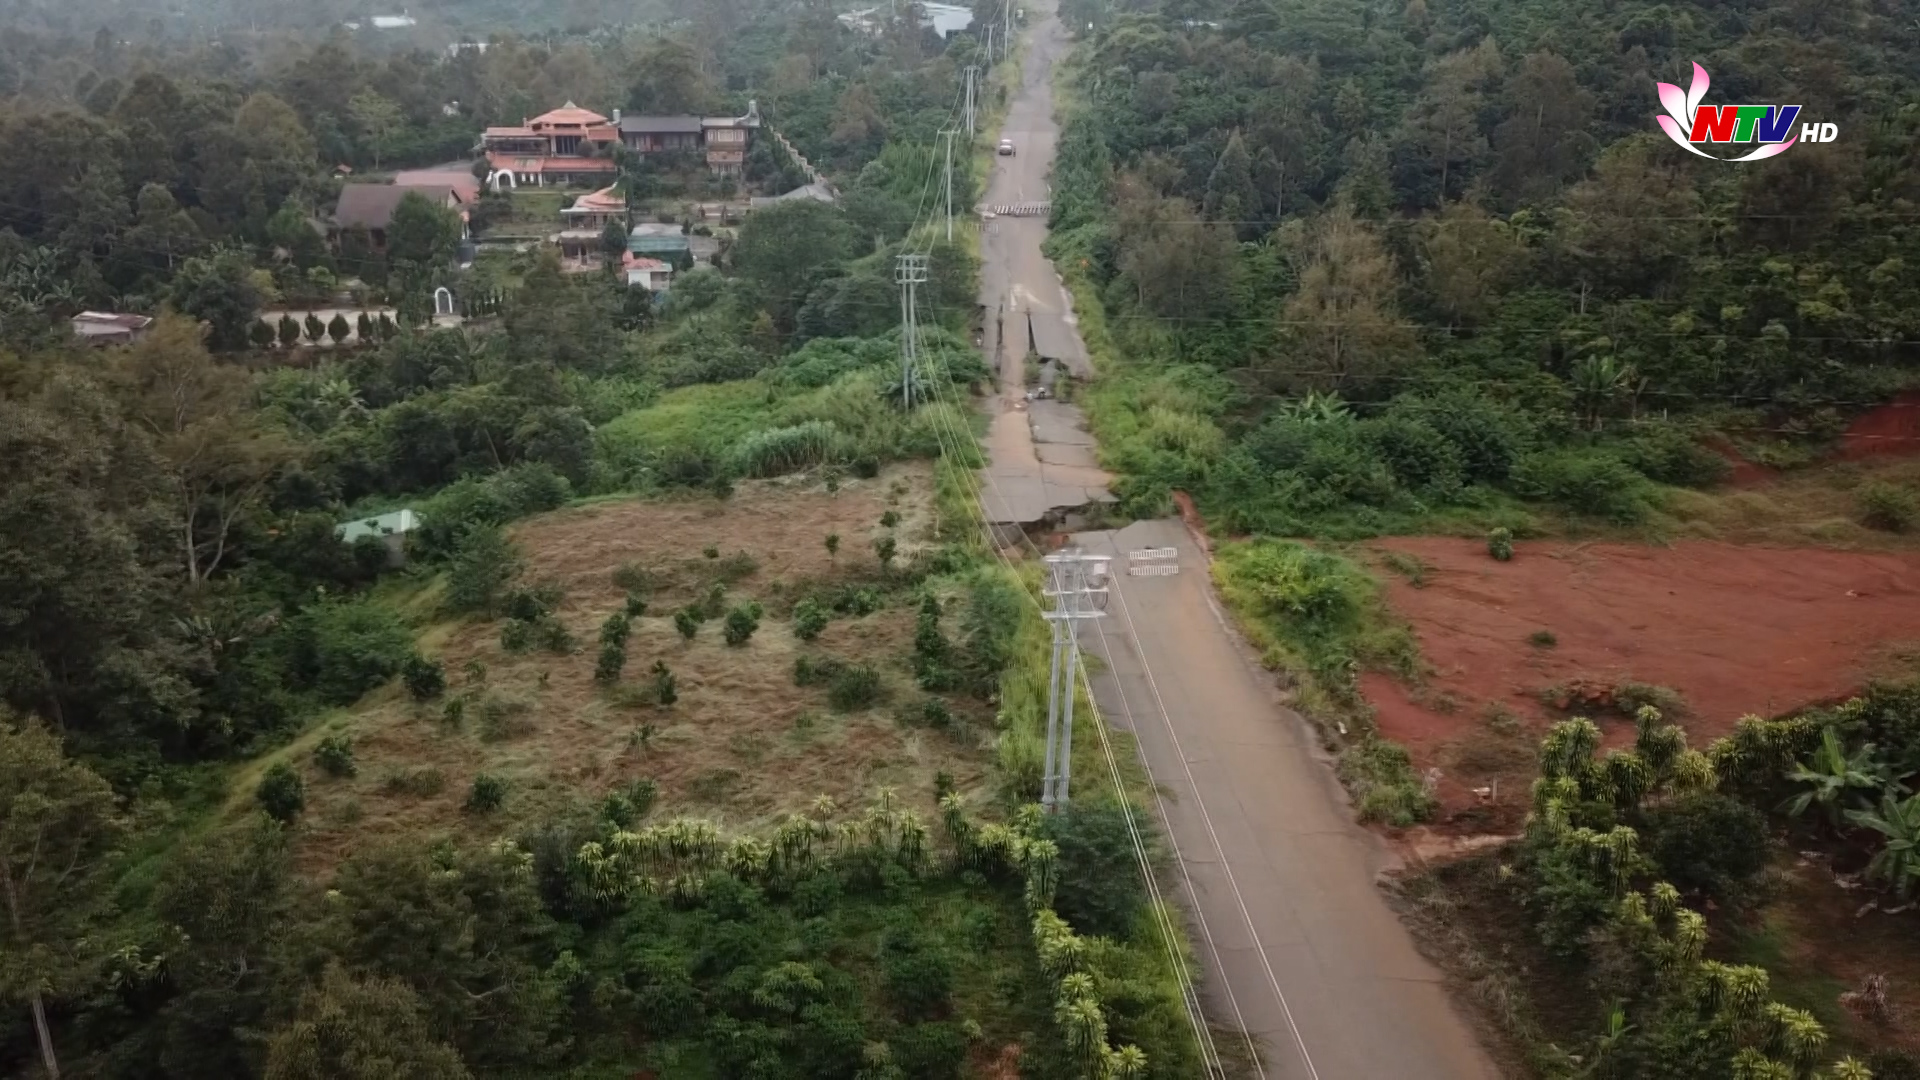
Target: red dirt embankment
1734 630
1893 428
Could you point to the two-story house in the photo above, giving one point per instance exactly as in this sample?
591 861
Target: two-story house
562 147
722 140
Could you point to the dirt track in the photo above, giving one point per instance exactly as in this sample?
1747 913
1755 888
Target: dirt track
1734 630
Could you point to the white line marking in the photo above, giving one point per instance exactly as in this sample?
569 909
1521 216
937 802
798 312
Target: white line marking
1272 980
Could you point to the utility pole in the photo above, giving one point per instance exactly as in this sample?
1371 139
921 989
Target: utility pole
908 272
973 71
1006 30
949 133
1077 582
989 44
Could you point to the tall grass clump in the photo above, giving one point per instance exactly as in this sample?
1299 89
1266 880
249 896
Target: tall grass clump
778 451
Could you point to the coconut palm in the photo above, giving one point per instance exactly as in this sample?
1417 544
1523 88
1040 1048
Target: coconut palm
1898 862
1834 778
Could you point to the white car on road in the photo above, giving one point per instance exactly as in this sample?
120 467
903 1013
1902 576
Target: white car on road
1006 147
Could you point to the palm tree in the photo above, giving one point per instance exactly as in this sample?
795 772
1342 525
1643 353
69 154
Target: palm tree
1899 861
1835 776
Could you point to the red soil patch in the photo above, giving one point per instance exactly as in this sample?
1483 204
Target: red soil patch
1734 630
1893 428
1744 474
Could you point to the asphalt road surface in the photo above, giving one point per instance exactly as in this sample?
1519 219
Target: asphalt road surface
1299 947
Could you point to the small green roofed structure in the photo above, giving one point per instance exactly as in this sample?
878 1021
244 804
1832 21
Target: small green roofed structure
392 528
657 241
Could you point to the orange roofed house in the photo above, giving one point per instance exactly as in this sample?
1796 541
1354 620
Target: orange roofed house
560 148
569 146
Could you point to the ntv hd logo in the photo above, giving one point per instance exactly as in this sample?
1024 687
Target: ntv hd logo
1690 123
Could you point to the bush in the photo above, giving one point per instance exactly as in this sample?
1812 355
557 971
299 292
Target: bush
613 658
1708 844
1489 436
784 450
809 619
1589 482
816 671
1386 789
615 630
687 620
856 686
919 983
346 649
1887 508
889 519
334 755
1420 458
487 794
884 549
1500 544
857 602
483 564
426 679
665 687
516 636
421 783
282 794
741 623
530 604
1100 890
629 805
635 607
1671 455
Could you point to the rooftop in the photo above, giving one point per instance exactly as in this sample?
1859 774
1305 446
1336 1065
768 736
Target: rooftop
388 524
111 319
605 201
568 115
371 206
661 125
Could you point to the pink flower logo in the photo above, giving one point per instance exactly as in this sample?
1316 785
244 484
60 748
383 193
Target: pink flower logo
1689 123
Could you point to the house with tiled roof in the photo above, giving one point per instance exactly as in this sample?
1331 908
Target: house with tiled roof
597 210
371 207
653 275
110 327
564 147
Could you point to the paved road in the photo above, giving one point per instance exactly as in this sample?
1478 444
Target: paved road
1039 458
1299 947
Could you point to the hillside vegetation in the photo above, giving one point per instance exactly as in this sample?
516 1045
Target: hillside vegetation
1366 269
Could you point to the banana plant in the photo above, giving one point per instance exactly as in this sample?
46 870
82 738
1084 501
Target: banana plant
1834 778
1897 863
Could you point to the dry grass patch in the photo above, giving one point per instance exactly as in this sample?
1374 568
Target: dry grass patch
1818 506
742 744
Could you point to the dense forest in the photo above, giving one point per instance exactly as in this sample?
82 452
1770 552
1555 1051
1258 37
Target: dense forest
1373 262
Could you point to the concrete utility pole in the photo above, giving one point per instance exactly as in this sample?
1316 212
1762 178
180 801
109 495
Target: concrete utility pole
989 44
973 72
949 134
909 271
1077 582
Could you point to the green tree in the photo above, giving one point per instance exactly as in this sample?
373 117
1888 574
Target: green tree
780 248
219 291
1232 199
367 1029
613 240
339 329
219 454
378 119
422 233
57 824
1342 318
289 331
